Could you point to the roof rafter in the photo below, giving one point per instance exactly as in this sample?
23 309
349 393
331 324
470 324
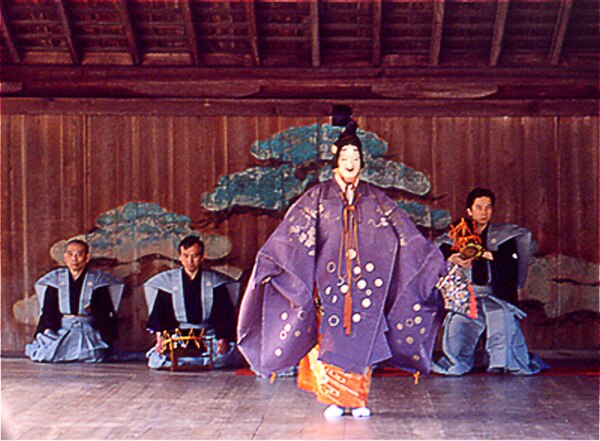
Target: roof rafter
560 29
314 34
499 27
68 30
8 36
132 43
252 30
436 32
376 47
190 30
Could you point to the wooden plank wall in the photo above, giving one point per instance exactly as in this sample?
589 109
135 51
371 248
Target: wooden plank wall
59 172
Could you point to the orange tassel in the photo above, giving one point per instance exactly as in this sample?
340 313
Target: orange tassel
472 302
348 241
272 379
416 376
348 313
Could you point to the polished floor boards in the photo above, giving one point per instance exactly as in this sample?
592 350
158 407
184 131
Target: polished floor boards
128 401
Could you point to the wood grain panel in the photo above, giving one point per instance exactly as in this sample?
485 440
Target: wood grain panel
72 174
60 171
447 180
41 162
578 178
105 147
15 280
505 148
541 185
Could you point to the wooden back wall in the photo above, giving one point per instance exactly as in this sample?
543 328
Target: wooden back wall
59 172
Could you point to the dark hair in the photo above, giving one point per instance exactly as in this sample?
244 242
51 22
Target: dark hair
341 115
86 247
190 241
348 137
480 193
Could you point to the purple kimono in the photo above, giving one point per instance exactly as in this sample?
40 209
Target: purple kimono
391 278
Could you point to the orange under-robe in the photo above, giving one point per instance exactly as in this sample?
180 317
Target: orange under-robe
332 385
329 383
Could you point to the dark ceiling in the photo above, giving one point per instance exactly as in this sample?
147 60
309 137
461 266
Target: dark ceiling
258 49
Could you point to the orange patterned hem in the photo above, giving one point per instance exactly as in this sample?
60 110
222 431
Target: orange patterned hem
330 384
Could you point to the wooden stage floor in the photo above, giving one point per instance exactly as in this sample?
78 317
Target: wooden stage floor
128 401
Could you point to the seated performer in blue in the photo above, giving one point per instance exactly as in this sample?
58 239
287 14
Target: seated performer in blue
496 275
192 298
78 304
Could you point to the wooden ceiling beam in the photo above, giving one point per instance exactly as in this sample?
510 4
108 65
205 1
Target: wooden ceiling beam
132 43
560 30
499 27
252 30
67 30
315 43
482 75
298 107
190 30
436 32
9 37
376 9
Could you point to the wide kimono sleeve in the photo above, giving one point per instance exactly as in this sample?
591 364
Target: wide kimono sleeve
413 312
277 321
103 312
51 316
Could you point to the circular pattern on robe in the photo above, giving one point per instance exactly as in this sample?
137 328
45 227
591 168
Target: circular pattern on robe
351 254
331 267
378 283
369 267
416 357
369 292
301 315
297 333
418 320
284 316
278 352
417 307
423 331
399 326
356 318
283 335
366 303
328 290
287 327
333 321
361 284
409 322
356 270
410 340
344 289
334 299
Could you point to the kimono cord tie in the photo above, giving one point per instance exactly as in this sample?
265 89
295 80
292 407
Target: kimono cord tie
348 252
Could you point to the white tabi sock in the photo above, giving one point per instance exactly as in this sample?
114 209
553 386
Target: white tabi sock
333 411
361 412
